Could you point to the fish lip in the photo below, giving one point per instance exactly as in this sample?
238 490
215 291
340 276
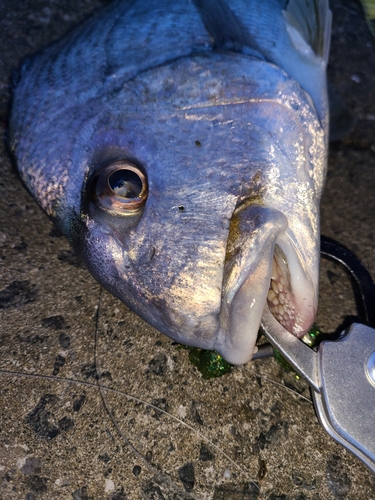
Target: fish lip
244 299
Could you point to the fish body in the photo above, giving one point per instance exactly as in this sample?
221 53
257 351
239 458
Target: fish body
181 147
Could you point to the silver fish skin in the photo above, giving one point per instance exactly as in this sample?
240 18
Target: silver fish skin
181 146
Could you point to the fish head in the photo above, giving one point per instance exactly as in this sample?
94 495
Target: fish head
192 194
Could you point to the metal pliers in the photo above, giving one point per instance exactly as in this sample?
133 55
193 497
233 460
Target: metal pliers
341 373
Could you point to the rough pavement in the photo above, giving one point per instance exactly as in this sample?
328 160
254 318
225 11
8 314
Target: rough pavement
156 429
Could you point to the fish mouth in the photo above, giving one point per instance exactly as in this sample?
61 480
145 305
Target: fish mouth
263 267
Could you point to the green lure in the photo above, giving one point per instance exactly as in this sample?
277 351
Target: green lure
212 365
312 338
209 363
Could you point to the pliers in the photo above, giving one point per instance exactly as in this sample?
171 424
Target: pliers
340 372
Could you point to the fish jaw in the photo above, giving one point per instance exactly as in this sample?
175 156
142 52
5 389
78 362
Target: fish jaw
257 266
199 311
181 297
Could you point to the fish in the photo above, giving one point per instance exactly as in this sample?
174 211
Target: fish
181 147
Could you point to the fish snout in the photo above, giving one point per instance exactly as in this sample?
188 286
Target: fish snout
262 267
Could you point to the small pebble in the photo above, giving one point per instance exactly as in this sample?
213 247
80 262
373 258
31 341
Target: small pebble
227 474
109 486
137 470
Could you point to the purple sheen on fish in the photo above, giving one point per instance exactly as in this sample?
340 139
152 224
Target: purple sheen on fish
181 147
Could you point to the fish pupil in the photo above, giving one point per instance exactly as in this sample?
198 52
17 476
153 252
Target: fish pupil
125 183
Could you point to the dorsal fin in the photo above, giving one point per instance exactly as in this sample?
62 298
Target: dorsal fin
225 27
308 23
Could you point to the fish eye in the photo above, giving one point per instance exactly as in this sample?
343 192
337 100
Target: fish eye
120 188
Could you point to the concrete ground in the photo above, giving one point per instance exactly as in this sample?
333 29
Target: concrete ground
250 434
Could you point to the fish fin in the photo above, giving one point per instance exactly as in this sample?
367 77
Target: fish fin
17 73
369 8
225 27
341 120
308 23
15 78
